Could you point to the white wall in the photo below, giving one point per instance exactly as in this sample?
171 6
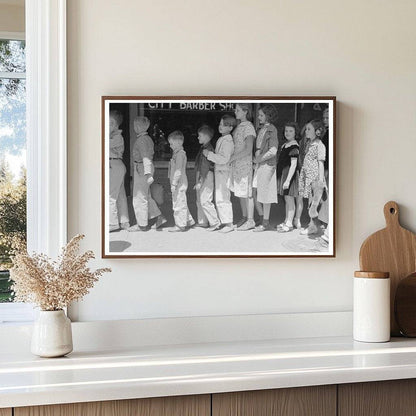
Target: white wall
12 17
363 52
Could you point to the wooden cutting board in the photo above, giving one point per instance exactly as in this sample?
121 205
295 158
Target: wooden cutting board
393 250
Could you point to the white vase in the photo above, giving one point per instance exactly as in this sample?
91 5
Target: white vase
52 334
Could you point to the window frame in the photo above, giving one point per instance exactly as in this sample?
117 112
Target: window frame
46 135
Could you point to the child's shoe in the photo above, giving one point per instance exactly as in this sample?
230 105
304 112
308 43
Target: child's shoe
248 225
260 220
114 228
312 229
263 227
177 229
241 222
227 229
324 239
285 228
215 227
323 243
160 221
125 225
135 228
280 225
202 225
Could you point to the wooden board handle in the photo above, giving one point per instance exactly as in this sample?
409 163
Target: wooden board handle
391 214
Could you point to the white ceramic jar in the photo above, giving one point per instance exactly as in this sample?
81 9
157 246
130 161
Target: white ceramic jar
52 334
371 313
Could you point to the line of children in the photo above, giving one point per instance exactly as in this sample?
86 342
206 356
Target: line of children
286 177
229 167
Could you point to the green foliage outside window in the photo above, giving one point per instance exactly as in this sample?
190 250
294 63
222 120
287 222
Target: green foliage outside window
12 147
12 223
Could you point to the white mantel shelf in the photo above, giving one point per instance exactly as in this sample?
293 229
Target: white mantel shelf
151 371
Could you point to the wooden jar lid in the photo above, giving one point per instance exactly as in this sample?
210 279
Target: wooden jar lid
372 275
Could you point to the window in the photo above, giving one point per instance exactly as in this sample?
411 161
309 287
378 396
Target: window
12 154
45 27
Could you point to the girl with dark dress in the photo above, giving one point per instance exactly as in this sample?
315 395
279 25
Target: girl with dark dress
288 175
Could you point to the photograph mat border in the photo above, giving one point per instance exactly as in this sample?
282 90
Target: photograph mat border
106 101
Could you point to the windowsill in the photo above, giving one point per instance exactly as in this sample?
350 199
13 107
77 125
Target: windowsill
16 313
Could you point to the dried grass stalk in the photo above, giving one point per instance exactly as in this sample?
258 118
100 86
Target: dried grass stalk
53 285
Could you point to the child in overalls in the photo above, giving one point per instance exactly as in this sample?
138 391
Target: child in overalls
145 207
204 183
222 170
179 183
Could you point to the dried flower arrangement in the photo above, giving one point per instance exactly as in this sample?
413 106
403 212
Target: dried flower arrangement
53 285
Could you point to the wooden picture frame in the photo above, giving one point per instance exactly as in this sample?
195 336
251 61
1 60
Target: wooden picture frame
140 128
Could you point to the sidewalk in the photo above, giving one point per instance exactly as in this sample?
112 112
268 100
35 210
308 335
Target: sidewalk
198 240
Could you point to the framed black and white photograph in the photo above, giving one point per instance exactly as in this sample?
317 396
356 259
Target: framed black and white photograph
218 176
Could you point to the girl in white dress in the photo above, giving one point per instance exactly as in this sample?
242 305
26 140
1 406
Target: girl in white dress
242 165
264 181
